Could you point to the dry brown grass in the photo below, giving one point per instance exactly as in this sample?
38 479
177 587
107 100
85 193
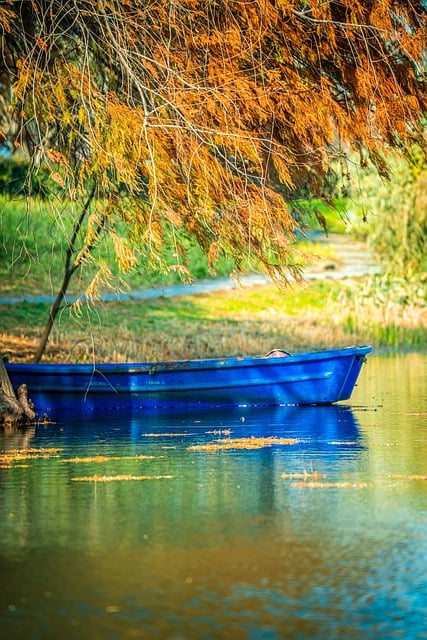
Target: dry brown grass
207 339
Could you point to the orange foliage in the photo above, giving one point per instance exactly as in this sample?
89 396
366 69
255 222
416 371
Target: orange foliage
205 116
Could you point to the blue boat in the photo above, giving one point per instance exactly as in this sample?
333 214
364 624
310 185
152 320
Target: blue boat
278 378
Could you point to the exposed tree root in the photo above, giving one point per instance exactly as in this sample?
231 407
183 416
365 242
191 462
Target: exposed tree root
15 409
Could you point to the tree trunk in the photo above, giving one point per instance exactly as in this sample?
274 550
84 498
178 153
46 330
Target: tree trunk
52 316
15 410
69 270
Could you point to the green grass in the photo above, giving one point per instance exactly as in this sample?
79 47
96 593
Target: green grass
33 244
250 320
335 217
254 303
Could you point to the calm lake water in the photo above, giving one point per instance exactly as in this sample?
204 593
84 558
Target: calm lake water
321 536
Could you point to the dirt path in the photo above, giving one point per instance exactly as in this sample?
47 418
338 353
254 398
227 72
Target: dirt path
352 260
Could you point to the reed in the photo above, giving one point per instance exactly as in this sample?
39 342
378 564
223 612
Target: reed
390 312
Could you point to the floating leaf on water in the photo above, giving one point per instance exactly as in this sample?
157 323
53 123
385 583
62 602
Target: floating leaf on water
28 454
112 609
243 443
219 432
383 444
408 477
304 475
122 477
167 435
34 450
332 485
108 458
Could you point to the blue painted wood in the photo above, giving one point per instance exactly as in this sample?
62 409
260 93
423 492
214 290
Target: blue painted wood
321 377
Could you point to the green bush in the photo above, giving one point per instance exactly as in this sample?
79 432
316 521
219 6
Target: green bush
16 179
396 215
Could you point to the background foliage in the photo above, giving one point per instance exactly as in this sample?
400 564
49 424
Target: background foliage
393 215
206 116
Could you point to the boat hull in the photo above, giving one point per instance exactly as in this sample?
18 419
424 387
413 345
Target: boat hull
320 377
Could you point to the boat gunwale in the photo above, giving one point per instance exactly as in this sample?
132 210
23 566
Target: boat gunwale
182 365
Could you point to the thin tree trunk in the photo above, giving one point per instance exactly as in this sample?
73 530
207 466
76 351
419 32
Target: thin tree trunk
69 270
52 315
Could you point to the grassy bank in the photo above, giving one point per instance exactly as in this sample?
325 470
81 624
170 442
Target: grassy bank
322 314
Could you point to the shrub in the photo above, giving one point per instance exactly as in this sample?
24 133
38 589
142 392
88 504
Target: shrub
396 213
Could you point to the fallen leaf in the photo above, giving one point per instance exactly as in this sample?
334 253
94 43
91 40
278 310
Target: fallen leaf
243 443
332 485
304 475
161 435
118 478
108 458
409 477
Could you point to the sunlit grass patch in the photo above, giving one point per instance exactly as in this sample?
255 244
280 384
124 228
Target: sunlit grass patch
246 321
121 477
243 443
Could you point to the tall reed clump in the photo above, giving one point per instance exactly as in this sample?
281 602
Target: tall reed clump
392 307
388 312
394 214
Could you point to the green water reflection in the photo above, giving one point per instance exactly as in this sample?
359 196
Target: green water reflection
231 543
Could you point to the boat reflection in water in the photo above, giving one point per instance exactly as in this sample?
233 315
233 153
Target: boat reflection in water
298 421
201 490
305 423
